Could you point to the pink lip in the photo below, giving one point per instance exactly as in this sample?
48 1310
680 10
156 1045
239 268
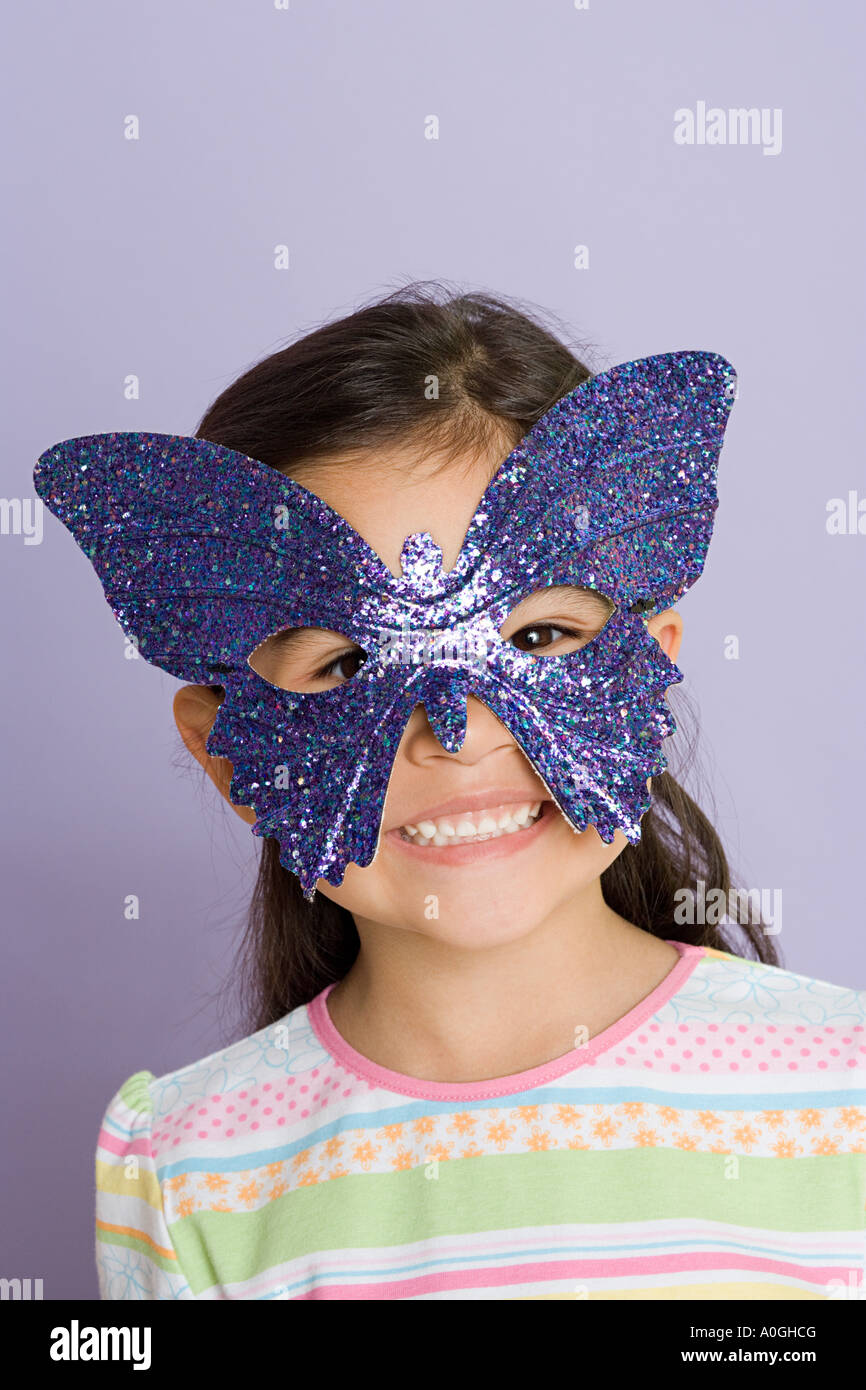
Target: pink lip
498 848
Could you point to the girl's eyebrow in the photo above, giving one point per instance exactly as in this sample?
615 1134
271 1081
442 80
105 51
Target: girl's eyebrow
572 595
291 637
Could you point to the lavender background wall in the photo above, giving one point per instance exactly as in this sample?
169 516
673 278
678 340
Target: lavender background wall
305 126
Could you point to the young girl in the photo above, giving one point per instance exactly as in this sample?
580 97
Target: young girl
498 1049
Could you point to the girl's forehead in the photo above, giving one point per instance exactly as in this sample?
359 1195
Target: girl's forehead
397 493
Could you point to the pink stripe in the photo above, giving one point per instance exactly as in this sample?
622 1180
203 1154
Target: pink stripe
578 1270
335 1043
116 1145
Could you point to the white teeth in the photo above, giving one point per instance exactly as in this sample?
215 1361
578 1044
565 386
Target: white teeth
469 829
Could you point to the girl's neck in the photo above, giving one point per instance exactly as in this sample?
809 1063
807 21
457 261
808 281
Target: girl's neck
426 1008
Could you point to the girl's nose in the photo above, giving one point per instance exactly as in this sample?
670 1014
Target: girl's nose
464 727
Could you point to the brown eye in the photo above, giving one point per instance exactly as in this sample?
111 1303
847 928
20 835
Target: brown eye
354 659
307 659
581 613
537 637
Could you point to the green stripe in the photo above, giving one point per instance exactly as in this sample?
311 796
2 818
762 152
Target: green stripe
133 1243
508 1191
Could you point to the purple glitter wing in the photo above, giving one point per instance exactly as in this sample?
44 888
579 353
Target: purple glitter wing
615 486
201 550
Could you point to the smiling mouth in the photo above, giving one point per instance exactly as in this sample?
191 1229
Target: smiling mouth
472 827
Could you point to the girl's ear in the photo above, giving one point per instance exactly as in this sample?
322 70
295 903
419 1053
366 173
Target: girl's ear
195 709
667 628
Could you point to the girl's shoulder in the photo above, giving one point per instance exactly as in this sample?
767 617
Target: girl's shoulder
248 1068
724 988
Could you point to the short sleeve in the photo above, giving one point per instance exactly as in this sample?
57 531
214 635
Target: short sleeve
135 1257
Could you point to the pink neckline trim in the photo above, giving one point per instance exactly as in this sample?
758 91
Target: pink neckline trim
385 1079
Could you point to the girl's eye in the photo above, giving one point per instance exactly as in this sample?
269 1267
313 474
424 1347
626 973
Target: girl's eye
332 668
536 636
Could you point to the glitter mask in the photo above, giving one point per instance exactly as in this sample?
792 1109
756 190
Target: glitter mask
203 553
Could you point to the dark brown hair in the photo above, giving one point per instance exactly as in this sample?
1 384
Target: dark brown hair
357 384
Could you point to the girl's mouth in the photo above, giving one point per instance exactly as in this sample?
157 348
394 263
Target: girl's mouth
470 827
467 836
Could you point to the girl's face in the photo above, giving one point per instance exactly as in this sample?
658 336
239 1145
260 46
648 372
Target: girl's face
472 848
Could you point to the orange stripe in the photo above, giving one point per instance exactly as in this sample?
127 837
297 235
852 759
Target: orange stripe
139 1235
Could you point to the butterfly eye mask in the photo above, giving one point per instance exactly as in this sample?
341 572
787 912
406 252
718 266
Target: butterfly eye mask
203 553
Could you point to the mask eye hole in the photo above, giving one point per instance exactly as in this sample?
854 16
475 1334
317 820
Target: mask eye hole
558 619
306 659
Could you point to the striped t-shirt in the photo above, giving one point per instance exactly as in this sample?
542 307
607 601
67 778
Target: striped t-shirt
710 1144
